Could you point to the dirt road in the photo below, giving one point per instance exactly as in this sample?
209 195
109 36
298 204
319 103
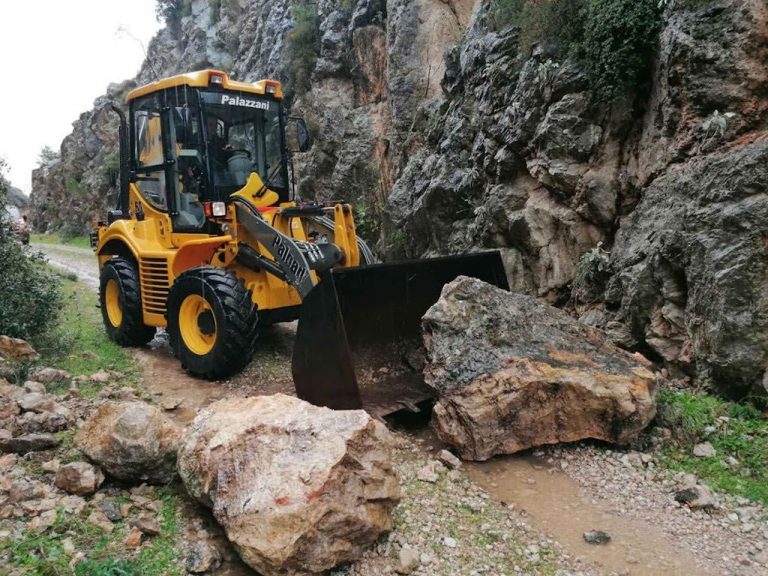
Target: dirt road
561 492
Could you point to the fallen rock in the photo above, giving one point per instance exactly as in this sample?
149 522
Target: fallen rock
16 349
79 478
131 441
202 557
697 497
704 450
36 402
449 460
298 489
28 443
597 537
100 521
48 375
430 472
408 560
146 524
100 377
511 373
133 540
111 510
32 386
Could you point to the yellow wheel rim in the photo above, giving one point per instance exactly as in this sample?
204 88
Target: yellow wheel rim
112 301
197 324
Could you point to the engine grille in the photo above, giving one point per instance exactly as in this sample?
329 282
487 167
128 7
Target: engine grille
154 284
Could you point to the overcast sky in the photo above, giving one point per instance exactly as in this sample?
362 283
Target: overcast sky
60 55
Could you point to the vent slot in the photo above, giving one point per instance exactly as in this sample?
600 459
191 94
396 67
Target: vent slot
154 284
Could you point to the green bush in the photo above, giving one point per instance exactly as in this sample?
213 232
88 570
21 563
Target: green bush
303 48
29 294
613 39
30 301
619 40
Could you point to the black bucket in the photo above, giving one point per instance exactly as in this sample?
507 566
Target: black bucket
358 343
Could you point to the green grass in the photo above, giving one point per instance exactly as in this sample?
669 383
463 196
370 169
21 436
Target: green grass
734 430
42 552
77 241
79 344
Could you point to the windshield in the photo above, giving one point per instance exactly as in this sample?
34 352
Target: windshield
244 135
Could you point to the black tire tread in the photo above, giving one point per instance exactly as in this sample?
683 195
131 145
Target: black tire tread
132 331
235 342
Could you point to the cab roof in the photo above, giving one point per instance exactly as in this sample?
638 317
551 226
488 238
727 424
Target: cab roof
205 78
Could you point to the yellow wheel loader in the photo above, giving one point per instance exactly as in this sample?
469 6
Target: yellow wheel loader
209 242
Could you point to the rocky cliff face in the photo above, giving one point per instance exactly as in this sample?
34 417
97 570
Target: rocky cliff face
452 137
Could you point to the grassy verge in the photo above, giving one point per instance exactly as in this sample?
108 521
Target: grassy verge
77 241
79 344
738 433
45 552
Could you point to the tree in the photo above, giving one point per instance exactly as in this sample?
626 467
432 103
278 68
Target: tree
46 156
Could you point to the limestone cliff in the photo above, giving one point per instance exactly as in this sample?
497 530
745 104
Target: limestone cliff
452 133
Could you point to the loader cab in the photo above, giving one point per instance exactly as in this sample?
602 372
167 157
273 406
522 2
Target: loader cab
197 138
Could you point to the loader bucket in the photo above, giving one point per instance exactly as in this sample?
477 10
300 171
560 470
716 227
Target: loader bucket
358 343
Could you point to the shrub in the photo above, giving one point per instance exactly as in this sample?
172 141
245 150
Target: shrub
613 39
592 273
30 302
619 40
29 298
303 48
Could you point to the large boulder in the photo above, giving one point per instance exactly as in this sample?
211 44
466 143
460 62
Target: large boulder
297 488
131 441
511 373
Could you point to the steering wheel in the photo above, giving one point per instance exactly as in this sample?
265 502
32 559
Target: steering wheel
235 151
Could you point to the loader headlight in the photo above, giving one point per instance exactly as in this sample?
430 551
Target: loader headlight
215 209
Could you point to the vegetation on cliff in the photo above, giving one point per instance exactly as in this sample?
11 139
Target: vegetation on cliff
613 39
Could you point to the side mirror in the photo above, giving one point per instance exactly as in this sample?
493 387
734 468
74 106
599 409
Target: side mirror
298 135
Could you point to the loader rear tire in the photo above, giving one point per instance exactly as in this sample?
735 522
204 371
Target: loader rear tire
120 299
212 322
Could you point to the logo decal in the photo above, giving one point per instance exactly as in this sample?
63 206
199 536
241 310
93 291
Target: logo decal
244 102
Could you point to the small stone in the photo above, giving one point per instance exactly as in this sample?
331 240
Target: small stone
48 375
35 402
28 443
68 546
133 540
51 465
147 525
704 450
100 377
425 559
450 542
169 404
449 459
111 510
596 537
430 472
408 560
80 478
202 557
98 519
698 497
32 386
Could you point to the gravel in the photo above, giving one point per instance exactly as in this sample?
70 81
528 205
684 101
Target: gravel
454 527
732 538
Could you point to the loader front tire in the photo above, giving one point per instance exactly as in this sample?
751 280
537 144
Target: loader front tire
211 322
120 299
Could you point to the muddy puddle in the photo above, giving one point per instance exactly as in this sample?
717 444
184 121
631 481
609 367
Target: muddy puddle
555 506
